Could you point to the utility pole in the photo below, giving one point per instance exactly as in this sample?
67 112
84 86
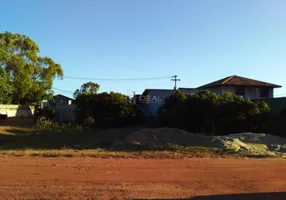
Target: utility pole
175 79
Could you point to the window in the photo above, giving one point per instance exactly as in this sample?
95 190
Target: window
240 91
264 92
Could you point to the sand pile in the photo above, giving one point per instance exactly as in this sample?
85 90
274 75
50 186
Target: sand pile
256 144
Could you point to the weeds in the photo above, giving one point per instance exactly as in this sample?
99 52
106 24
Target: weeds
47 125
195 152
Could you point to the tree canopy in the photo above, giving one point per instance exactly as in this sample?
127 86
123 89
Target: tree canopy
26 77
87 88
209 113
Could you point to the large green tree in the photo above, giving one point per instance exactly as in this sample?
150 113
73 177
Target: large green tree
30 75
87 88
6 89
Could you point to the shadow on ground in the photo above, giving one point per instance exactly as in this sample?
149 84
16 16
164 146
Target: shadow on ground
19 134
250 196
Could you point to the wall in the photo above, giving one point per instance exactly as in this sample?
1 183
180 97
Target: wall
250 92
230 89
65 113
217 90
60 101
157 100
16 110
254 93
188 90
271 95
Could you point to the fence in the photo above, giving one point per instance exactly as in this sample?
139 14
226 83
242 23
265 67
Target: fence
17 110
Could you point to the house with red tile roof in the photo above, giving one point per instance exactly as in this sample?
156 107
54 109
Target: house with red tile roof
241 86
153 99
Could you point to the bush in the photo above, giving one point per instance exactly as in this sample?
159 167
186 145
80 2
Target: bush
208 113
88 122
44 124
46 112
107 109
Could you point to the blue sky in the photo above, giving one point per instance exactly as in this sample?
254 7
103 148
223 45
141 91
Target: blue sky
198 40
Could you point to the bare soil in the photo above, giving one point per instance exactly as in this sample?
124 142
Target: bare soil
92 178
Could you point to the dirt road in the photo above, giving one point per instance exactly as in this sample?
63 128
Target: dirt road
91 178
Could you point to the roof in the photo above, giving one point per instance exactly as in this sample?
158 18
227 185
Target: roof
188 90
60 95
239 81
157 90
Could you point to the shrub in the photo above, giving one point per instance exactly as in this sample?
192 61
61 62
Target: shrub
46 112
88 122
205 112
107 109
44 123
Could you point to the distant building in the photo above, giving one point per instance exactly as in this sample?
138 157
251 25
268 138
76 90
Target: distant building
241 86
152 99
60 100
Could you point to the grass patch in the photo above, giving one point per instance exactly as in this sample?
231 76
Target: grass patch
71 141
190 152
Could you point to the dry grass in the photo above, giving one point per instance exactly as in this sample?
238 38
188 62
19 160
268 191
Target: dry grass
100 153
21 140
191 152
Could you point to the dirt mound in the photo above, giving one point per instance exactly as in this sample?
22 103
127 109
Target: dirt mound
250 143
256 141
156 138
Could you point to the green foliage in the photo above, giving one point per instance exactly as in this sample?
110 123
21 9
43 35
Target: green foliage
87 88
48 125
6 89
44 124
46 112
172 101
208 113
88 122
107 109
30 75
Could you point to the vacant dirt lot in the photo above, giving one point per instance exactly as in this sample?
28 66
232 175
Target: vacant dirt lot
91 178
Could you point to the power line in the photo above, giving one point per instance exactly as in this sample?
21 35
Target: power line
115 79
63 90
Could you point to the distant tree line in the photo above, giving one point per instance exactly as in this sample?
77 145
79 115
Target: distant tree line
208 113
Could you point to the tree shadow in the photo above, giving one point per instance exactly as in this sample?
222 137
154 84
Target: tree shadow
13 138
248 196
17 122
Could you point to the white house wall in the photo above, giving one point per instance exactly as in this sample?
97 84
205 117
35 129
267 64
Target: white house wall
16 110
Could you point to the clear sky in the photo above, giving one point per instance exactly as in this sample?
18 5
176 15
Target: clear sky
198 40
